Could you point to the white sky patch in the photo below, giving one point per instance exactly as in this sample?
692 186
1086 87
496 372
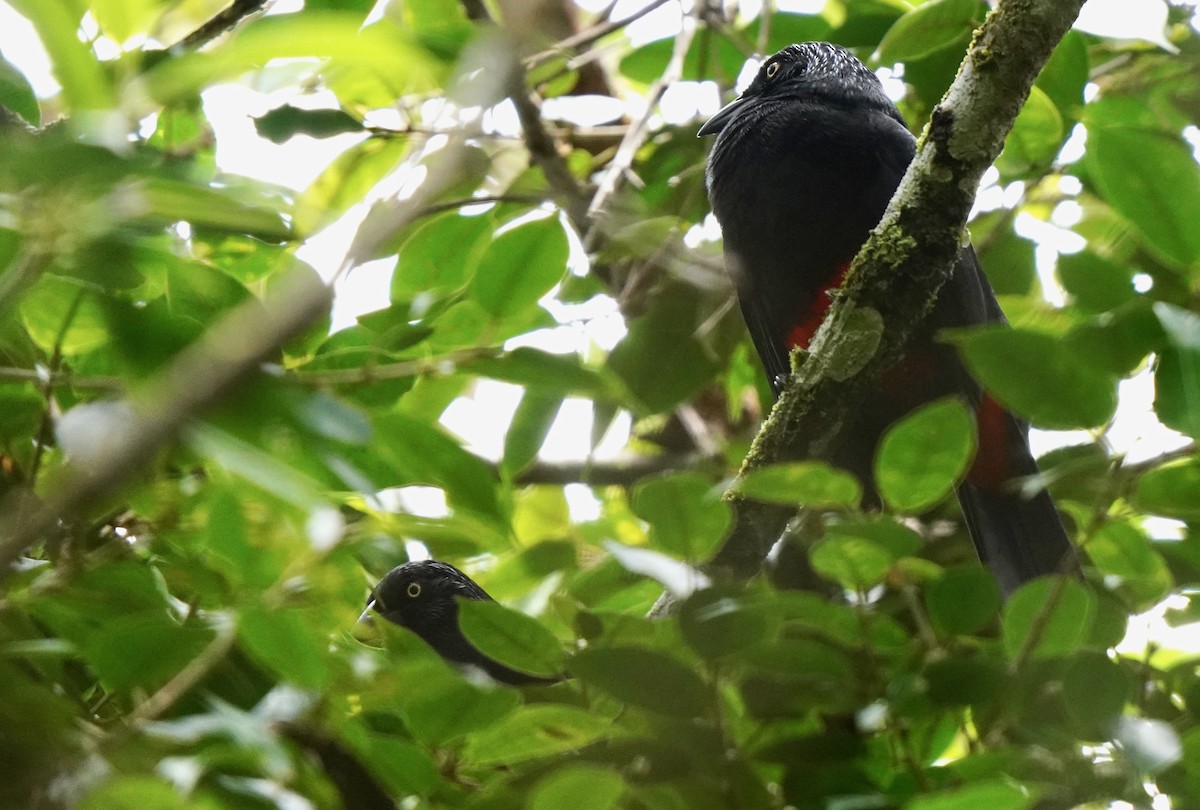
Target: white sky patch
1126 19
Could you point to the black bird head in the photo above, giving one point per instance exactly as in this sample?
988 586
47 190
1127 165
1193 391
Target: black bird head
422 596
816 72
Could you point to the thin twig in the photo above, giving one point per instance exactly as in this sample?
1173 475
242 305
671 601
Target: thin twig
392 371
590 35
637 134
186 678
45 425
543 149
61 379
223 21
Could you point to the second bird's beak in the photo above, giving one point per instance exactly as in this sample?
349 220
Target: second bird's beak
717 123
366 617
366 630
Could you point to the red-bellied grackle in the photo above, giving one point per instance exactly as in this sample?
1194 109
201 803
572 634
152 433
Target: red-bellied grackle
803 167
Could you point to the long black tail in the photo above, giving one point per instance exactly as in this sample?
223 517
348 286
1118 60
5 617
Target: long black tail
1017 537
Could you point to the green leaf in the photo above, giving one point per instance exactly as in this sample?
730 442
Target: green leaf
1038 376
1121 551
441 255
716 626
527 432
676 323
420 453
579 787
543 371
994 795
347 181
439 707
56 308
1095 690
85 84
927 28
1177 378
284 641
922 457
1170 490
285 122
520 266
1058 611
1152 179
642 677
854 563
169 201
16 94
380 51
22 407
963 601
137 793
1066 74
512 638
1095 283
1036 135
536 731
143 649
809 483
687 515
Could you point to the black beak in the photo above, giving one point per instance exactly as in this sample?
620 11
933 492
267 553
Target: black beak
717 123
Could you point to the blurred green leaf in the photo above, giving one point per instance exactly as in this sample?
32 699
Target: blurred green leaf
1121 160
139 793
86 86
1095 689
1053 614
854 563
645 678
1097 284
528 430
536 731
520 266
381 51
922 457
995 795
580 787
17 95
1121 551
1170 490
511 637
716 625
440 255
1177 378
1035 137
285 641
1037 376
928 27
810 483
687 515
963 600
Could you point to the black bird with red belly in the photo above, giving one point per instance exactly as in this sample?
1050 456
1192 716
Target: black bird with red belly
805 162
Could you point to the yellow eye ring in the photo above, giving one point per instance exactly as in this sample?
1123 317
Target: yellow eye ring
772 69
413 589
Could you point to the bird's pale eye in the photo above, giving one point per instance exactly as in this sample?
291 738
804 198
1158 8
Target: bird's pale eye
772 69
413 589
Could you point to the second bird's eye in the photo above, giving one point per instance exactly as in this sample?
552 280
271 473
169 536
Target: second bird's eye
772 69
413 590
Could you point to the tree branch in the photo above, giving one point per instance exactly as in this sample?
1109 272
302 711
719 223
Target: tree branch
895 277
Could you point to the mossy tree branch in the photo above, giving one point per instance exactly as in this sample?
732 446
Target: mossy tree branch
895 278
